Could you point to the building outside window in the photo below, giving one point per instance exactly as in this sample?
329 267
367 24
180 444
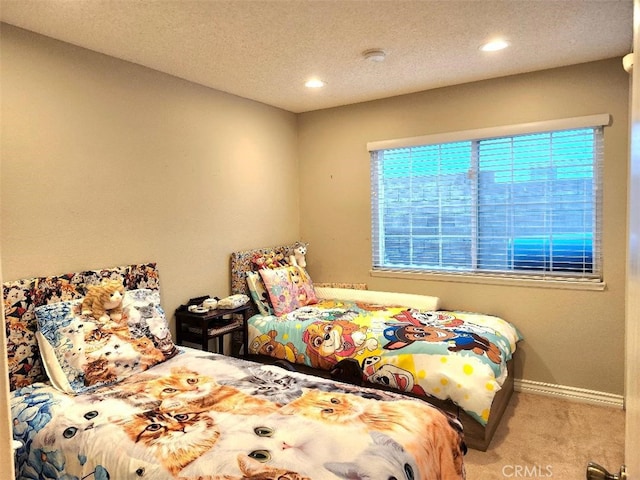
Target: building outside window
521 201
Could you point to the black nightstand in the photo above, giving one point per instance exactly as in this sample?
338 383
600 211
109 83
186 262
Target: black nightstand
202 327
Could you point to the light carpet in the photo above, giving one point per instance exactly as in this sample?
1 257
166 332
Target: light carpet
546 437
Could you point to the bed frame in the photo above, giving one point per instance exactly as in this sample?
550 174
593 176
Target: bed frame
476 435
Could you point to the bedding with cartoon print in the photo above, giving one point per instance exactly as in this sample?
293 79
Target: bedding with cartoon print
206 416
450 355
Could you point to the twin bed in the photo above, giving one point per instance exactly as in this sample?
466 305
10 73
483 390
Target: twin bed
459 361
113 397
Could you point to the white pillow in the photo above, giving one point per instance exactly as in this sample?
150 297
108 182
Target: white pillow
420 302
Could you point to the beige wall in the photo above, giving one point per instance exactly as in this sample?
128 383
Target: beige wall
573 338
107 163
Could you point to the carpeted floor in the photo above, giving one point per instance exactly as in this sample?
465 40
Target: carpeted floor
544 437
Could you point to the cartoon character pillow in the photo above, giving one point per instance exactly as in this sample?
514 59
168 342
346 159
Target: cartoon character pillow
289 288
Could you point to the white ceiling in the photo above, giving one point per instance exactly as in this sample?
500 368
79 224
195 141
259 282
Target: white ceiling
266 49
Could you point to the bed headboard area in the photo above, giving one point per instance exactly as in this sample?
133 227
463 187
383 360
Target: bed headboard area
243 262
21 297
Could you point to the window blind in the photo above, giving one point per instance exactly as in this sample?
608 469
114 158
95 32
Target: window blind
526 204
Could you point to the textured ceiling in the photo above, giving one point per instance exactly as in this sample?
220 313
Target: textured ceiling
265 50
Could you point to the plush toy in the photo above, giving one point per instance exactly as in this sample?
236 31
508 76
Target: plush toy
279 260
104 301
297 257
258 260
268 260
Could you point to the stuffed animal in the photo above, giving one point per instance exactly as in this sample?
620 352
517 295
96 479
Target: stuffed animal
268 260
259 260
104 301
297 257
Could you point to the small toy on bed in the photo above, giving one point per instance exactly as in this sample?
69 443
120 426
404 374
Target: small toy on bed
104 301
268 260
296 258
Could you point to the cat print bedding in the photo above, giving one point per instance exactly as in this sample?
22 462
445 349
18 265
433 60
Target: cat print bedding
206 416
450 355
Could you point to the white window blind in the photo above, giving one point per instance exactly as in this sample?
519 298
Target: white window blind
518 205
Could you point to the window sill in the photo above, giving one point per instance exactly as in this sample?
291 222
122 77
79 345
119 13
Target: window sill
511 281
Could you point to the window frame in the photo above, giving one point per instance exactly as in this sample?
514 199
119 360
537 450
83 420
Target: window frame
511 277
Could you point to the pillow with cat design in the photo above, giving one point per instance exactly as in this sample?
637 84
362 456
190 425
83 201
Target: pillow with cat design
81 353
289 288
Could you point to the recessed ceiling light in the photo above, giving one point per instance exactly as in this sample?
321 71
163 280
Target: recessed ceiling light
494 45
314 83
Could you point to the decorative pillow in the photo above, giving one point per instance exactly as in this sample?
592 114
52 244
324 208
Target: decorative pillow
81 353
259 293
21 297
289 288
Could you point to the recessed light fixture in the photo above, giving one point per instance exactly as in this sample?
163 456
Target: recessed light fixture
374 55
314 83
494 46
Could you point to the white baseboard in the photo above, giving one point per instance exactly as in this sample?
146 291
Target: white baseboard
569 393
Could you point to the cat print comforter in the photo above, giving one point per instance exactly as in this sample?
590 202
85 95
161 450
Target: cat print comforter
201 416
458 356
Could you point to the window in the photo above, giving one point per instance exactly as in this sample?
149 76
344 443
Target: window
522 200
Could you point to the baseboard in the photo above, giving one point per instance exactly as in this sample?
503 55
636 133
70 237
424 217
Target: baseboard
569 393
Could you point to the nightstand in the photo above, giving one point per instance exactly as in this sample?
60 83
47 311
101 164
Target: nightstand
202 327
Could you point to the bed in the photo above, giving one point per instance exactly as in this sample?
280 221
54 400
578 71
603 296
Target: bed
459 361
131 404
